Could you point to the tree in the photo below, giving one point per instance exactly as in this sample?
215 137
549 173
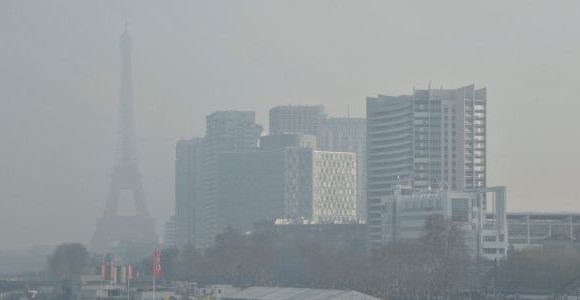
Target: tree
191 263
542 268
66 264
169 263
68 261
445 256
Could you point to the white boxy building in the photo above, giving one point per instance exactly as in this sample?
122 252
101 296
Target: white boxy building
334 187
481 214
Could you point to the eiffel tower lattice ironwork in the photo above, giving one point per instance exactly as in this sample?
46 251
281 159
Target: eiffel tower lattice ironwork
112 227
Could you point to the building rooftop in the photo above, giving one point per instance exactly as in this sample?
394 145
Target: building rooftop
278 293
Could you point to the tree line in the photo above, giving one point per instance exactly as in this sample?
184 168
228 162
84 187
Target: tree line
437 264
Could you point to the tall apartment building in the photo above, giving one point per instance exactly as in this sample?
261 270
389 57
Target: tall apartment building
299 119
226 131
348 135
189 214
435 139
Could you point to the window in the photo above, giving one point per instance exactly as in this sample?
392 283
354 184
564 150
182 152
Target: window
489 238
488 251
459 210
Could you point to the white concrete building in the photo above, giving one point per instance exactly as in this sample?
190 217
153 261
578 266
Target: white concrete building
480 213
334 187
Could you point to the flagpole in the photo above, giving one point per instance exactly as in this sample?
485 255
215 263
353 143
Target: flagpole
155 263
153 286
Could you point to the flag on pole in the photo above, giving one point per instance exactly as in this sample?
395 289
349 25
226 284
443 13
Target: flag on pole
103 272
156 263
129 272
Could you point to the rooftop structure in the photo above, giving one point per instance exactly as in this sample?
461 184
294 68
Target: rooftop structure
300 119
279 293
539 229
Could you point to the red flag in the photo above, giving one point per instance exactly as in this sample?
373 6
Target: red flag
103 272
129 272
156 263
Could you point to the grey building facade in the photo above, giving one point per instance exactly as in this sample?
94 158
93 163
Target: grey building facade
299 119
264 185
197 206
189 214
226 131
286 179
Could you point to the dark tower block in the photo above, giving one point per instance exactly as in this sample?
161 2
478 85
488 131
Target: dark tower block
114 230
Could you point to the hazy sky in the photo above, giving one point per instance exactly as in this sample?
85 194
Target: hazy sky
59 63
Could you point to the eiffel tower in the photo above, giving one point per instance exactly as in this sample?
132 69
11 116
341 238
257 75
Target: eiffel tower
112 228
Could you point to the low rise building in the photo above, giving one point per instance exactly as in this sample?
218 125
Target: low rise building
480 213
539 229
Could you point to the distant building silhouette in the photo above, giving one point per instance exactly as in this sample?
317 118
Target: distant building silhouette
300 119
188 202
226 131
114 230
170 233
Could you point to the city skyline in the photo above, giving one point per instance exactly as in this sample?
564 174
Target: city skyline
80 90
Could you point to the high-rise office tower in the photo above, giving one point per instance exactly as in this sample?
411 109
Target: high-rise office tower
434 139
189 214
226 131
348 135
299 119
